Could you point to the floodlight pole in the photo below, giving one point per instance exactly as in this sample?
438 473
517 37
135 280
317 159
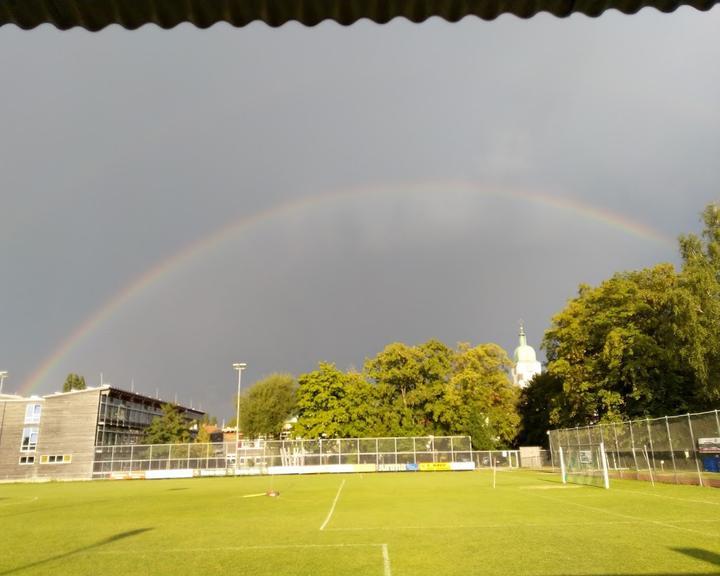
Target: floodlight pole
239 366
3 375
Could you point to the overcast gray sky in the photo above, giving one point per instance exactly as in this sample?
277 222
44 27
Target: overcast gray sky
375 184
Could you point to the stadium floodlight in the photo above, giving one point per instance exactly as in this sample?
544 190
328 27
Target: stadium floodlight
239 366
3 375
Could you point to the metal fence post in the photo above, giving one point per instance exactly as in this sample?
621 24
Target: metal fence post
672 452
652 449
632 445
717 421
617 449
692 438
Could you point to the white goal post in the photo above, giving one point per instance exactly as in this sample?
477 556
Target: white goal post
584 464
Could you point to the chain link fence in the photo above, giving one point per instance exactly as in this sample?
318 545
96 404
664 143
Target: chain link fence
295 456
675 449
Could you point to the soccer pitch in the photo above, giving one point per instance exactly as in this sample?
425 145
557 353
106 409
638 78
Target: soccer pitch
384 524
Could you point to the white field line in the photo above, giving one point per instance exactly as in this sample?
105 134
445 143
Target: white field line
621 515
241 548
332 508
639 493
387 571
386 561
515 525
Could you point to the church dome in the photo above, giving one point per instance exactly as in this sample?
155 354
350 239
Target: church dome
525 354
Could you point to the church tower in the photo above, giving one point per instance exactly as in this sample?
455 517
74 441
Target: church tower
526 364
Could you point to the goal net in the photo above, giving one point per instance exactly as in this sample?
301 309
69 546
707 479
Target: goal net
584 464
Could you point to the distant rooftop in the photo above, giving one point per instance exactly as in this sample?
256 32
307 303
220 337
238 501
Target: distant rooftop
115 389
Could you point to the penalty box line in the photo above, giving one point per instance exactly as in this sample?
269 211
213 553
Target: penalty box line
387 570
332 508
629 517
513 525
665 496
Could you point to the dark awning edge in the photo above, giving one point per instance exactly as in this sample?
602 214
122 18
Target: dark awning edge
95 15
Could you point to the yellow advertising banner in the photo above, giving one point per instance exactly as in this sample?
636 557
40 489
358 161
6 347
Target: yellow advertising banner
434 466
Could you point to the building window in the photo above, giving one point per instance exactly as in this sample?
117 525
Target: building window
27 460
29 440
56 459
32 413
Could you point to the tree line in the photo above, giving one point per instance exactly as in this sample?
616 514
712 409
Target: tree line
429 389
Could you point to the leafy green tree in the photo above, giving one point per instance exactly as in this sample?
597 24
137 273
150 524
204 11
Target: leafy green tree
74 382
697 308
614 348
365 413
319 403
479 399
266 406
541 408
169 428
410 382
334 404
431 389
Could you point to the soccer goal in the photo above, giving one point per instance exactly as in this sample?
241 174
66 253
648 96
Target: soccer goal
584 464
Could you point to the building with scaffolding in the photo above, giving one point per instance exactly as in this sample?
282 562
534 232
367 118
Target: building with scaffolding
56 436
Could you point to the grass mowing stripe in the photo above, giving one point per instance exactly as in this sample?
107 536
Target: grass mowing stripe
332 508
15 503
621 515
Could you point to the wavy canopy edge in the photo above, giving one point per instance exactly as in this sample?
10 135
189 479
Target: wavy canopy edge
95 15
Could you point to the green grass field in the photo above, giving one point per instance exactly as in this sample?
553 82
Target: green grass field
412 524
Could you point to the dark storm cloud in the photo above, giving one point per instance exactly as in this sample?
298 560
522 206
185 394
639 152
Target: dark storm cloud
118 150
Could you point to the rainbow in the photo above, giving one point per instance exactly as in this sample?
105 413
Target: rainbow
231 230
